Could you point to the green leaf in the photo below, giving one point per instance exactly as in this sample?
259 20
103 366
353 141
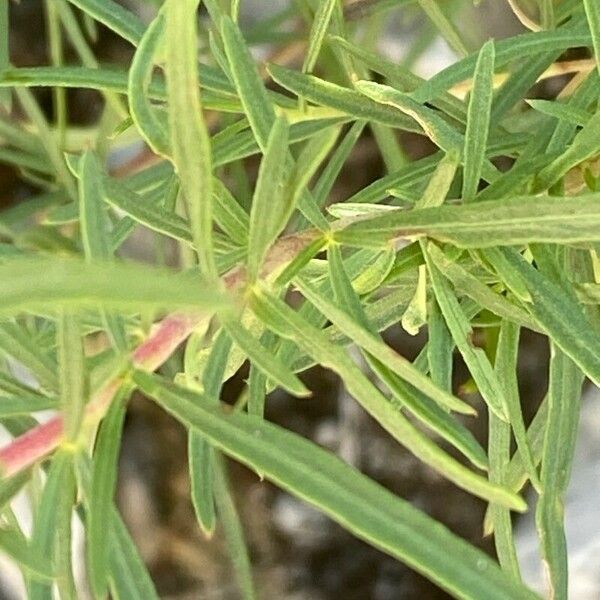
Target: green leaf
14 544
114 16
448 30
102 490
564 397
286 323
269 212
152 216
45 528
190 142
234 532
11 486
586 145
431 414
228 213
562 111
21 346
334 166
268 363
344 100
253 96
72 373
460 328
499 446
439 131
359 504
72 282
129 579
200 452
142 112
95 233
506 362
217 95
520 82
508 222
470 285
300 261
592 12
478 121
47 139
507 50
558 311
5 97
512 279
318 30
356 330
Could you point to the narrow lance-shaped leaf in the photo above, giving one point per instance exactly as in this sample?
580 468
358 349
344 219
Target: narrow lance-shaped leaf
35 563
509 336
252 93
562 111
409 396
440 348
460 328
22 347
558 311
229 214
434 195
396 362
439 131
564 397
95 234
344 494
257 380
47 139
142 112
448 30
335 164
63 561
129 579
499 443
259 109
75 283
114 16
45 526
4 51
190 142
11 486
507 222
217 93
470 285
342 99
102 490
286 323
150 215
201 453
268 214
72 373
317 33
275 370
585 145
478 121
507 50
401 77
234 533
592 11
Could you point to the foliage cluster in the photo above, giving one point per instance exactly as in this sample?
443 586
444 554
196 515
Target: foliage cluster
495 231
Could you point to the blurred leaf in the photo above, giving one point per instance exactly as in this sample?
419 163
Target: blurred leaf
478 121
341 492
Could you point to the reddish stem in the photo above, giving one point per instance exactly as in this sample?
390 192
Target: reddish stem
33 445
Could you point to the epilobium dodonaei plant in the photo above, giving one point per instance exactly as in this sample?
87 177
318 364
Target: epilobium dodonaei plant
496 230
